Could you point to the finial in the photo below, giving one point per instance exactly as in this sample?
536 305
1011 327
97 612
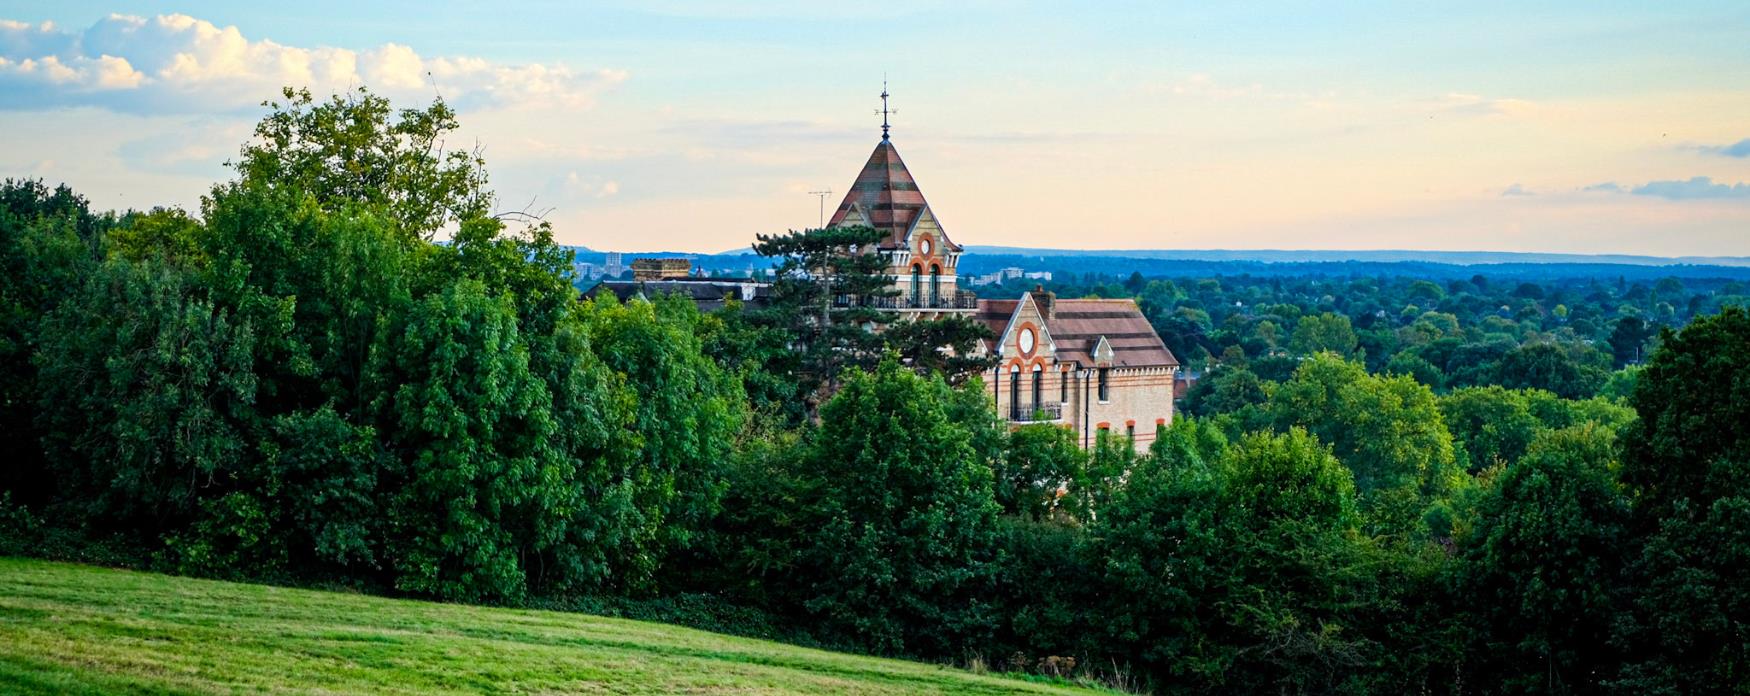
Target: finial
884 110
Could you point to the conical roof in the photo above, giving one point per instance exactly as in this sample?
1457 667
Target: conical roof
886 195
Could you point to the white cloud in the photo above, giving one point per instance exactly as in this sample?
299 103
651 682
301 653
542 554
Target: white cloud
182 64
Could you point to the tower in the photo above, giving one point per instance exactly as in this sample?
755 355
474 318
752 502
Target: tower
921 259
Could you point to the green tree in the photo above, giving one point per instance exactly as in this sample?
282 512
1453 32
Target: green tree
1039 465
899 517
1688 462
1541 564
1323 332
686 417
830 289
1387 430
1549 367
471 427
1490 425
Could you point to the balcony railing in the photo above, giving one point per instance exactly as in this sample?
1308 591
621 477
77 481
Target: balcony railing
959 300
1037 413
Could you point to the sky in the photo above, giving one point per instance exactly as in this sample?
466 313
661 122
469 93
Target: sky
1556 126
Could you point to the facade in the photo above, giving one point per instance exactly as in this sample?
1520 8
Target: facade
1088 365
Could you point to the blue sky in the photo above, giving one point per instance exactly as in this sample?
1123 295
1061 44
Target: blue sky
1567 126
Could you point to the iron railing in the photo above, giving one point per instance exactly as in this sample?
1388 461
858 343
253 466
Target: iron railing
1037 413
959 300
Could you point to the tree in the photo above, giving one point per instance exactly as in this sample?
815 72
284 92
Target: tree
829 290
1549 367
946 346
1039 465
470 425
1323 332
899 517
1541 564
1688 463
685 419
350 150
1490 425
1226 390
1387 430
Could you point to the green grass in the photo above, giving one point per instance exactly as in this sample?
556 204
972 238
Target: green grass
78 629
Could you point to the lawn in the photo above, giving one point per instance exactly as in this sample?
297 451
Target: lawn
78 629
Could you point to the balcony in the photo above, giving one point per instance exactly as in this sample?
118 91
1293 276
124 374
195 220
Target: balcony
959 300
1037 413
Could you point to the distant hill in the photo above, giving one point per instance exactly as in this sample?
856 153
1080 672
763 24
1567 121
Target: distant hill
1457 258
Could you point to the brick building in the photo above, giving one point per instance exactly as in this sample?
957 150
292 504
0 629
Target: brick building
1089 365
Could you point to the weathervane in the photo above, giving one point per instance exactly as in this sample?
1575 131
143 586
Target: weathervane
884 110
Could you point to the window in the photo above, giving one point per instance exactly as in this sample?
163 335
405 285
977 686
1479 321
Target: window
917 286
935 286
1038 386
1105 384
1130 431
1014 393
1063 387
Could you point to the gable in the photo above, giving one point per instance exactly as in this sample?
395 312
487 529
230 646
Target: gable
1026 317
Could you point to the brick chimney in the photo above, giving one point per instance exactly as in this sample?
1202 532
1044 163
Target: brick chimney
1044 300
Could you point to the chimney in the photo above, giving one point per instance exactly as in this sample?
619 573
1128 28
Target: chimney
1044 300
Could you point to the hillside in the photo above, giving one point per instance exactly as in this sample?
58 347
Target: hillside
77 629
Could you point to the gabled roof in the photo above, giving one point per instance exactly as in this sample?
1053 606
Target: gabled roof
1077 326
887 196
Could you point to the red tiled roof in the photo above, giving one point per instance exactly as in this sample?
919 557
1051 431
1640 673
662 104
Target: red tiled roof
887 195
1076 327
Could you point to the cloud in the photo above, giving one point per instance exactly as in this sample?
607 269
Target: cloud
1517 190
1477 105
181 64
1740 149
1605 187
1695 188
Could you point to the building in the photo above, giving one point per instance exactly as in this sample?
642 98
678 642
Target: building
708 293
611 265
661 269
921 259
1088 365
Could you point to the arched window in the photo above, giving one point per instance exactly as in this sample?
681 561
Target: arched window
917 286
1038 387
1014 393
935 285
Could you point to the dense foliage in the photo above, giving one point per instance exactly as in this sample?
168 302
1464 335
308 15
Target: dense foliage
345 370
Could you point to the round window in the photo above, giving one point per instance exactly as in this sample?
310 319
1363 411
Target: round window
924 247
1026 340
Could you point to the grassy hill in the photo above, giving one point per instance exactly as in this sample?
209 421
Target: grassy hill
77 629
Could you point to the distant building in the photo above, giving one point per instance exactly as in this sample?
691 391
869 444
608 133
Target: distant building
611 265
661 269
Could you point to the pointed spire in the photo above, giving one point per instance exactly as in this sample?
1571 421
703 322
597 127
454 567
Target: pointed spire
884 111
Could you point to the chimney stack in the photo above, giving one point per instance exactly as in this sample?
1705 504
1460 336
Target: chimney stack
1044 300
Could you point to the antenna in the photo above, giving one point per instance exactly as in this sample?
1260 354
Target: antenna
822 196
884 110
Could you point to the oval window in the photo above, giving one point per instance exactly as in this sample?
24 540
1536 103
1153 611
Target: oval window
1026 340
924 247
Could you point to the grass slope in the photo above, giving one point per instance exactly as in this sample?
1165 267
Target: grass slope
77 629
